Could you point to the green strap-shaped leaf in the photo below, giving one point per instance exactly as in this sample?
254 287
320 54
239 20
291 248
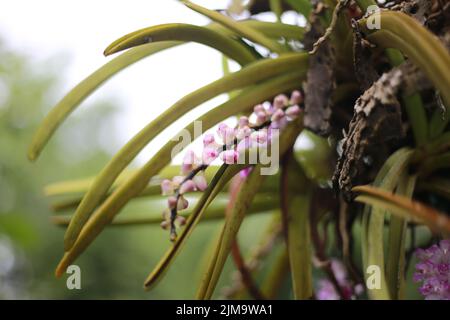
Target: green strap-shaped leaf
263 203
133 186
233 222
295 204
81 186
184 32
302 6
395 264
244 31
153 189
250 74
405 207
372 237
270 29
277 8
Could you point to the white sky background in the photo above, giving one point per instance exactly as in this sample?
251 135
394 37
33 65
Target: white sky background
45 28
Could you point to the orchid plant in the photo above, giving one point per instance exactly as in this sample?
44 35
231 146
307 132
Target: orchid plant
366 82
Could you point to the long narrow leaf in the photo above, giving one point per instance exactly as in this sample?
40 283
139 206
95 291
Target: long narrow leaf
295 206
263 203
244 31
405 207
395 264
184 32
232 224
373 230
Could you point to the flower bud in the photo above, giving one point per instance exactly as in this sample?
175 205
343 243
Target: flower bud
261 117
180 221
182 203
296 97
172 202
259 108
226 133
165 224
293 112
280 101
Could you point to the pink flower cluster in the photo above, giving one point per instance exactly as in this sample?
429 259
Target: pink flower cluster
433 270
256 130
327 291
